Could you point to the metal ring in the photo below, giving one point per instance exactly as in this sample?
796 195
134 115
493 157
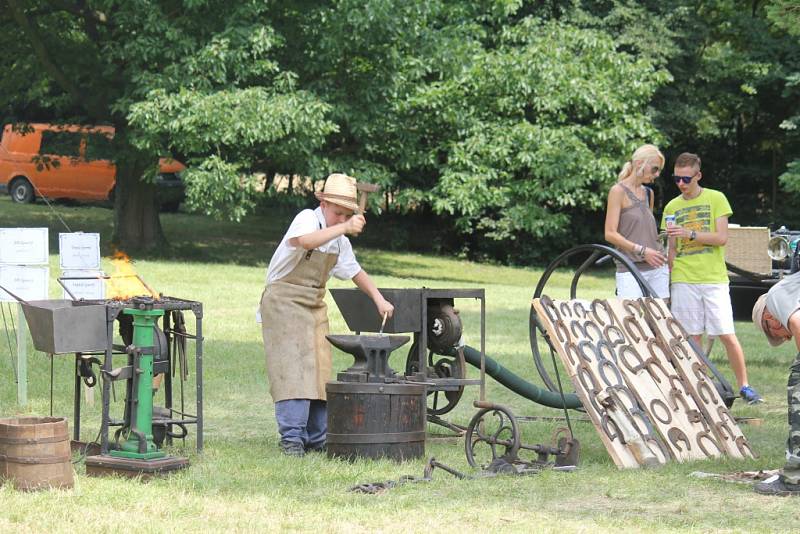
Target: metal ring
666 417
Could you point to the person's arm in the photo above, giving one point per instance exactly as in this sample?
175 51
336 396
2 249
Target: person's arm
718 238
365 284
794 327
353 226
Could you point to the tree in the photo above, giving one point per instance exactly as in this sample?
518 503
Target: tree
193 79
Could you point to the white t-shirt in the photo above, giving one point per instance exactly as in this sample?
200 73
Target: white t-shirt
286 257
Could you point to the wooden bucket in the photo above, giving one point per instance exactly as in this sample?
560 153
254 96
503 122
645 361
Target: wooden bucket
35 452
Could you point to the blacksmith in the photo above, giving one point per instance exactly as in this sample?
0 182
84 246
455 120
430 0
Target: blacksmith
777 314
294 314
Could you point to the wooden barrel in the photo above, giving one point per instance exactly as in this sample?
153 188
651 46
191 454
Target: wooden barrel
35 452
367 420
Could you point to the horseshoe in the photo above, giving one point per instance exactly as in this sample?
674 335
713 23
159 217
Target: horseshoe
630 403
603 364
678 349
725 431
617 332
651 303
724 414
605 423
638 416
628 349
550 308
702 386
561 331
603 344
577 305
652 362
586 327
665 453
699 370
625 324
564 307
675 395
675 379
673 325
667 414
694 416
571 349
707 435
597 303
677 435
633 307
583 371
582 351
743 444
575 324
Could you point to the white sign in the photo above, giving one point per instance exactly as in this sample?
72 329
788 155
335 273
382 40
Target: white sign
83 285
27 283
79 250
23 246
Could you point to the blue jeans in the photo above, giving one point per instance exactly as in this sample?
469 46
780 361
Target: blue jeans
302 420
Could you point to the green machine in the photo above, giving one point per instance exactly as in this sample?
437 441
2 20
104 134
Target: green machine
135 452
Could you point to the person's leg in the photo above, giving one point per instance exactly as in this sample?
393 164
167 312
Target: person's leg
317 425
687 307
735 354
791 471
788 482
292 417
659 281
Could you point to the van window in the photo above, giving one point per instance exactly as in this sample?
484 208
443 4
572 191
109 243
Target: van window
61 143
98 146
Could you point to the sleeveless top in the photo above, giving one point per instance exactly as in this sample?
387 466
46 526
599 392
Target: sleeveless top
637 224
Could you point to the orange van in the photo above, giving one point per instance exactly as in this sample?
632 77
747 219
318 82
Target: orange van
65 161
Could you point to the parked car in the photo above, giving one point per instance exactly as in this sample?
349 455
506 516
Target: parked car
758 258
71 162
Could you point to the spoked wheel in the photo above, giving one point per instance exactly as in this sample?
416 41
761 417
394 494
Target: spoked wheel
440 366
493 433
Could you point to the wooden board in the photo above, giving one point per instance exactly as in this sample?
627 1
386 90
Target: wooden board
574 346
719 422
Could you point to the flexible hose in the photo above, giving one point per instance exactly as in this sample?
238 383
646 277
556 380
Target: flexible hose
518 385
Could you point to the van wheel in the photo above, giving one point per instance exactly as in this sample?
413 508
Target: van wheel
21 191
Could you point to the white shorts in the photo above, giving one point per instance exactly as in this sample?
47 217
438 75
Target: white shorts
703 308
628 287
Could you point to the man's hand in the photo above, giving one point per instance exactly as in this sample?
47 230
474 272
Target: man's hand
384 307
355 224
678 231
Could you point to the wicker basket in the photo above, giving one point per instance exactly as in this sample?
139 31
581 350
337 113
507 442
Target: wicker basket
747 248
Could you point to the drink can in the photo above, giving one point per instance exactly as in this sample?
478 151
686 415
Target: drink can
669 220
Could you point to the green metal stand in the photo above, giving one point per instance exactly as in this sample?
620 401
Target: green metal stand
139 442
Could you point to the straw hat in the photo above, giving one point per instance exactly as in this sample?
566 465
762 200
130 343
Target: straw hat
340 189
758 320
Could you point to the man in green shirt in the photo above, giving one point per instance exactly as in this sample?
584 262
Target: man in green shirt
700 297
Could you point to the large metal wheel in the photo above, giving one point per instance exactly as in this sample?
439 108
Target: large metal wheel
440 402
595 255
493 433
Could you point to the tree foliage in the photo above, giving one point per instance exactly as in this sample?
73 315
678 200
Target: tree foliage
506 119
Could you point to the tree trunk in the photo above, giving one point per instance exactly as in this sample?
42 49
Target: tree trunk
137 226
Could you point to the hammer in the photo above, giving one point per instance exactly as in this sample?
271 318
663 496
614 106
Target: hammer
364 189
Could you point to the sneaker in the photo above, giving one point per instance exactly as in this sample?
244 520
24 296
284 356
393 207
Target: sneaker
292 448
750 395
322 446
775 485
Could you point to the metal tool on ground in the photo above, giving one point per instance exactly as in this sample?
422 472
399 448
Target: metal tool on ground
365 189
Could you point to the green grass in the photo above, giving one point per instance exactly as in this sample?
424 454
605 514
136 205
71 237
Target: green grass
242 483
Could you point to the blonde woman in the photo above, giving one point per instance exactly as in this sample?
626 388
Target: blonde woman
631 227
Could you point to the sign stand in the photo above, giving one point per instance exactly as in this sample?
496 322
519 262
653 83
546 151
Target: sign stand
22 358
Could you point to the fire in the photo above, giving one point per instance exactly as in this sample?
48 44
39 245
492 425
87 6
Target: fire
124 283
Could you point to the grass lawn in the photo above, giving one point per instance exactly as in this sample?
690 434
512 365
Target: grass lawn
242 483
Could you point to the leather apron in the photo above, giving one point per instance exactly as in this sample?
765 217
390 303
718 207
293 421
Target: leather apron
294 325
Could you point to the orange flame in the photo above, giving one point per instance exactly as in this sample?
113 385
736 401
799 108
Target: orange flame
124 283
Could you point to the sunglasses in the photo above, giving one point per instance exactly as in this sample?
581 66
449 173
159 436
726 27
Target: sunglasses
684 179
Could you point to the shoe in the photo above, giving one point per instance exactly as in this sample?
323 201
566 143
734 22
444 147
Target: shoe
322 446
774 485
750 395
292 448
